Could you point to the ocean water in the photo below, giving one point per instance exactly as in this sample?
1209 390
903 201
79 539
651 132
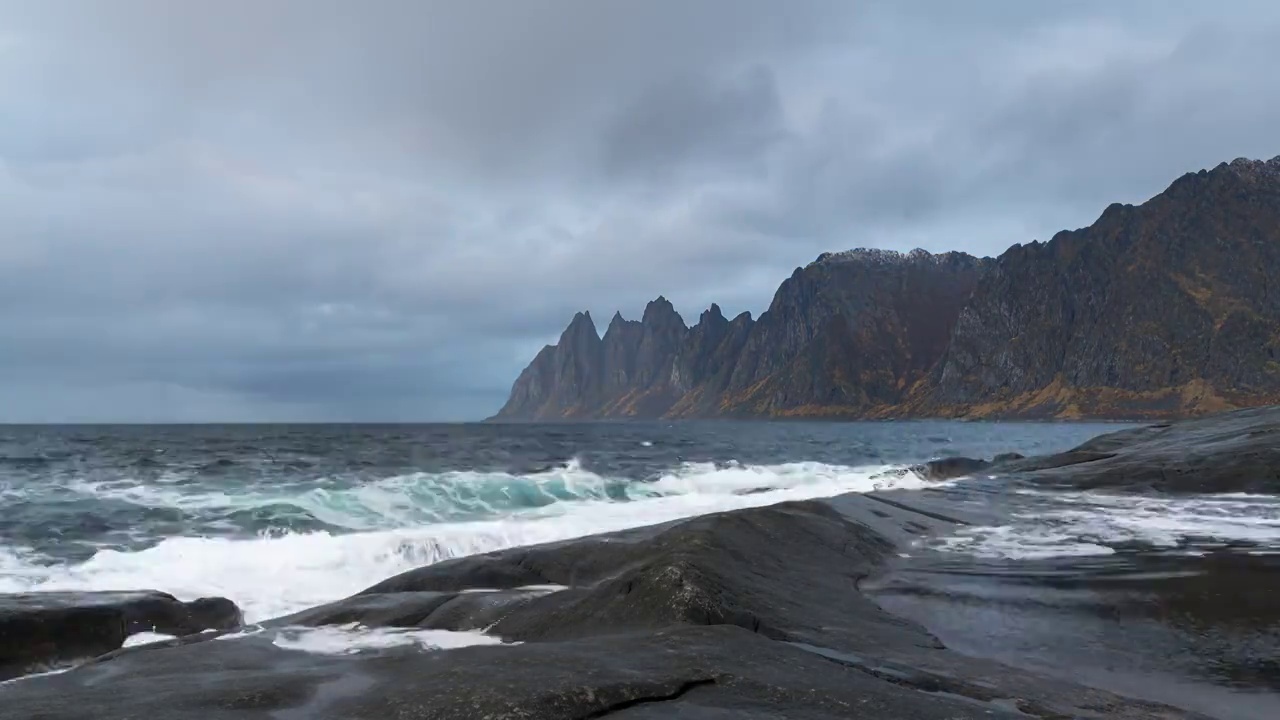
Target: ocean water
1170 598
279 518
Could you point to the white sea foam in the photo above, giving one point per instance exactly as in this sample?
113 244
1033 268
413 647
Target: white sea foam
1091 523
535 589
353 638
391 502
24 678
144 638
271 576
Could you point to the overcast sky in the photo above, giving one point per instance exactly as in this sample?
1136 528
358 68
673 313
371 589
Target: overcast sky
380 210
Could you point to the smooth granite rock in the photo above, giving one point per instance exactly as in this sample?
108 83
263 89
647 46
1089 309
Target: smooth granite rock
701 673
41 630
787 571
950 468
1232 452
747 614
465 610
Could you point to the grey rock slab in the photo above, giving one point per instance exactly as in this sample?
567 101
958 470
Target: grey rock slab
42 630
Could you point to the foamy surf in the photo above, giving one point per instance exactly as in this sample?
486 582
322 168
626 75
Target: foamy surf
1091 523
278 574
46 673
395 501
146 638
354 638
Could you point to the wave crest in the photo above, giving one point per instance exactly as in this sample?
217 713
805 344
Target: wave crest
426 498
279 572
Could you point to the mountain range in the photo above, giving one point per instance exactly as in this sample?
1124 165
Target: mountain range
1158 310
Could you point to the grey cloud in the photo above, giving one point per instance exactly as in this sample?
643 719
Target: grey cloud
1041 130
729 125
336 210
492 87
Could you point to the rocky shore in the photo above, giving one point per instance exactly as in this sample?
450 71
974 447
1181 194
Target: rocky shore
745 614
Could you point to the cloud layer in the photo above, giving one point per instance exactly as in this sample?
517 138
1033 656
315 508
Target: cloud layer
324 210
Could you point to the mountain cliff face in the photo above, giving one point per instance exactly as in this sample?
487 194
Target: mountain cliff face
562 379
850 332
1163 309
1159 310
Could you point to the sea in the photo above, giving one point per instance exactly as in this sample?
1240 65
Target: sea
279 518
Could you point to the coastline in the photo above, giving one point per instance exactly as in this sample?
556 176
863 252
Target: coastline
771 610
709 614
1102 420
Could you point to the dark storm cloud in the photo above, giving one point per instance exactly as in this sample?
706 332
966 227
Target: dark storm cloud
337 210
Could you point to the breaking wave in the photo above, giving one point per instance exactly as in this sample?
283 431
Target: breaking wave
384 527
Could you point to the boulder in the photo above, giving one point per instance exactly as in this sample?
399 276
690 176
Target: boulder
950 468
786 571
41 630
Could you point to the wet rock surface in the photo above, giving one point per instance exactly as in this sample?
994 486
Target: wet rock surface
682 672
752 613
1232 452
42 630
787 572
950 468
467 609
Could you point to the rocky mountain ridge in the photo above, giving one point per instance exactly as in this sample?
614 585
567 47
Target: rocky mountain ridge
1158 310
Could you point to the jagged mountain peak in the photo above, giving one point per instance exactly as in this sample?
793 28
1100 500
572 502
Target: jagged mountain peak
712 314
1251 169
659 366
619 323
581 325
871 255
888 258
661 311
1154 310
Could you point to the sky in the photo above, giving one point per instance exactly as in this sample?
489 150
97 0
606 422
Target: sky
313 210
